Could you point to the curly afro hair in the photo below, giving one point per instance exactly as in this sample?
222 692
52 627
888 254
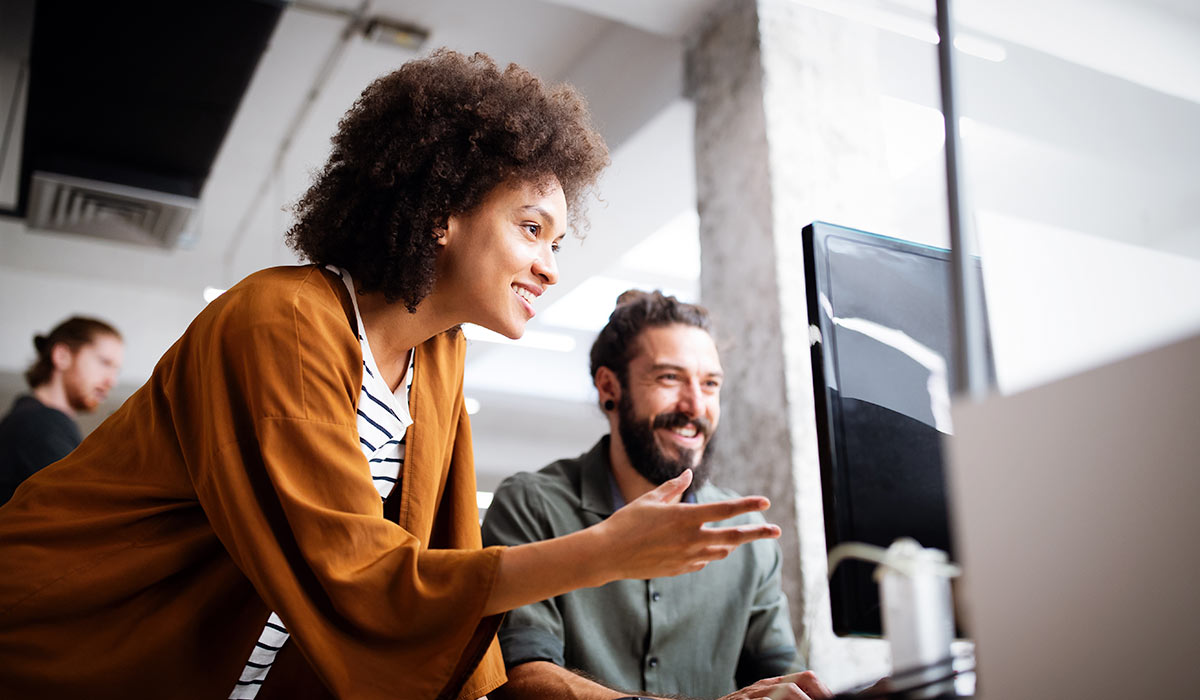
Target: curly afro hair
429 141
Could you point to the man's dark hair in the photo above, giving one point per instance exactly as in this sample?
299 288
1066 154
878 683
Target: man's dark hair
636 311
75 332
429 141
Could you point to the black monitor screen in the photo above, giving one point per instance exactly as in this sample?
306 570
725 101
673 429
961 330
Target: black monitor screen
883 373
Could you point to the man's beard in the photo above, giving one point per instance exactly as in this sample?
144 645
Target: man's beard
79 398
650 460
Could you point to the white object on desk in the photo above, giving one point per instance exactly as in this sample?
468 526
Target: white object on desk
917 611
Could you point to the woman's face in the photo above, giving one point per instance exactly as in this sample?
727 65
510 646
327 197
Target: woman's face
499 258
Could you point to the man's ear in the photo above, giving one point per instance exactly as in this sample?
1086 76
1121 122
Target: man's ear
61 356
607 385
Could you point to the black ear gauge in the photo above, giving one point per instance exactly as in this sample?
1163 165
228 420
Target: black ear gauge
609 404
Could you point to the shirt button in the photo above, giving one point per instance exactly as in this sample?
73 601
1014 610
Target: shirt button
653 662
655 596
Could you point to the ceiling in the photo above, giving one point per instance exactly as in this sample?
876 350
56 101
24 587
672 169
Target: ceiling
626 56
312 69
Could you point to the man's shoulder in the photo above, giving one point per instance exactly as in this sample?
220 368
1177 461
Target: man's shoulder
536 505
556 482
27 413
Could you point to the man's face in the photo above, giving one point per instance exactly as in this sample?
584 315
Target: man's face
92 372
670 407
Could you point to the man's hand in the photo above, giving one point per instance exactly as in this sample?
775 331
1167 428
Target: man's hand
794 686
542 679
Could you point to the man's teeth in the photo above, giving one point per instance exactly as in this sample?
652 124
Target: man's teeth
524 293
686 431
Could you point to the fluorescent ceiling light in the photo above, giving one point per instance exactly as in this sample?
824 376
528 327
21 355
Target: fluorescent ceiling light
673 250
980 48
919 29
896 23
483 499
471 404
915 134
533 340
211 293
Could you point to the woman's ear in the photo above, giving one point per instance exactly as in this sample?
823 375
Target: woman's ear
444 229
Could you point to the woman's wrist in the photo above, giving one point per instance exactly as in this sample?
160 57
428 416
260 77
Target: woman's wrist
597 560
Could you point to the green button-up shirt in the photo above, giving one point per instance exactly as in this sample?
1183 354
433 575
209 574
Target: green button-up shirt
703 634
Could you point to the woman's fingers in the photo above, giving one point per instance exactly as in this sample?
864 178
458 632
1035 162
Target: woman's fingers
723 510
715 552
671 490
660 536
722 542
719 542
740 534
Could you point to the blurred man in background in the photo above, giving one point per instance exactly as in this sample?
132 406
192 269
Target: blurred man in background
76 367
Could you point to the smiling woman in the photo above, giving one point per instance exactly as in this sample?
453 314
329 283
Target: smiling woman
431 141
287 508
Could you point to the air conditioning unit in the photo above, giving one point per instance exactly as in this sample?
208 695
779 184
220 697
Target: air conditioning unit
107 210
127 106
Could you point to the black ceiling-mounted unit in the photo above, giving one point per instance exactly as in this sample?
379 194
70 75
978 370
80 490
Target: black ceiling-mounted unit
129 103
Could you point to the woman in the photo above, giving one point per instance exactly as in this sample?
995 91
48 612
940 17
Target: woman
296 476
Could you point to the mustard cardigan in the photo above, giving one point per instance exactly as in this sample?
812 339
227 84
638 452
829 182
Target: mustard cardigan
231 484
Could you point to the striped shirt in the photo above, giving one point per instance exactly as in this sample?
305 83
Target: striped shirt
383 419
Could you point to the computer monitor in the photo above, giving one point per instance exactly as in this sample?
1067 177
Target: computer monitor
879 311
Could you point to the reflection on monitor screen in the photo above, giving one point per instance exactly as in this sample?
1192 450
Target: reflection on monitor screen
883 374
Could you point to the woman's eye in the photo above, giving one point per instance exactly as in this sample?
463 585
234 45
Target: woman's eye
532 229
555 246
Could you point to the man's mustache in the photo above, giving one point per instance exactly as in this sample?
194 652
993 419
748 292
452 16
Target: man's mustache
675 419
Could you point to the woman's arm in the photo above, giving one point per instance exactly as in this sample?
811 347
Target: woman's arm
654 536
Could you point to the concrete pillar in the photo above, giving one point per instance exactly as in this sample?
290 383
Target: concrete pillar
788 131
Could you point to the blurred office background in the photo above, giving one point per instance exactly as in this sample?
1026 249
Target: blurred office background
1079 140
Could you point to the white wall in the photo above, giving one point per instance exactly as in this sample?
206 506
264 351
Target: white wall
35 301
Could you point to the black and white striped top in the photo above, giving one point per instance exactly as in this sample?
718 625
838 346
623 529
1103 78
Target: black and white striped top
383 419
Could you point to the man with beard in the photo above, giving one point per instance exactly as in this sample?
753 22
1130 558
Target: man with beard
699 635
76 366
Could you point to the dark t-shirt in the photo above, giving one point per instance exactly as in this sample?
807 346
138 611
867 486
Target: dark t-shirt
32 436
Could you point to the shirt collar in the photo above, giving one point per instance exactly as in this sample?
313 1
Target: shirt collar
598 490
595 491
